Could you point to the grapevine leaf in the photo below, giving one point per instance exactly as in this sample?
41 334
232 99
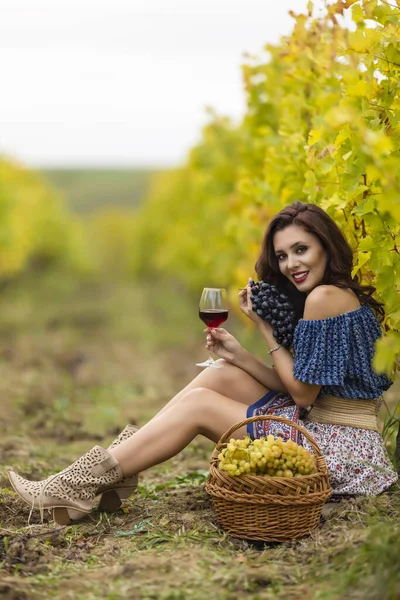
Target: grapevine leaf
387 348
363 258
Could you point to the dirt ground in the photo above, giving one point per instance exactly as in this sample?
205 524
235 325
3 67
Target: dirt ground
78 362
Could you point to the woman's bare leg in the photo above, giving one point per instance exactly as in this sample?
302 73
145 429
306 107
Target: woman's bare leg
200 411
229 380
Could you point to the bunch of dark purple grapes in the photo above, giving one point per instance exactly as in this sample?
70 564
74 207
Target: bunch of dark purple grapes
274 306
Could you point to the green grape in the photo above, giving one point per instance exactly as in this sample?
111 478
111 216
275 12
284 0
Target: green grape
266 456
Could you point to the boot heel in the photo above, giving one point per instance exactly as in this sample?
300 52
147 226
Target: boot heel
66 516
61 516
125 492
110 500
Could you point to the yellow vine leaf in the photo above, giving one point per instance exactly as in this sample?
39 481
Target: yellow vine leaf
314 136
363 258
340 115
357 13
387 348
362 88
310 185
362 40
366 244
334 201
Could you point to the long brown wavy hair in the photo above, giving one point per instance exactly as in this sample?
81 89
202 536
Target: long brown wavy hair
339 265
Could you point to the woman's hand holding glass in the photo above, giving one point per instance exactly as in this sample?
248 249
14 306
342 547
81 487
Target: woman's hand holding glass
213 310
224 345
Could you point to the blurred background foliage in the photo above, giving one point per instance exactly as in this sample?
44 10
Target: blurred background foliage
322 124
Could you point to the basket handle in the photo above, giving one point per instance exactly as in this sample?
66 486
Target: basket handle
302 430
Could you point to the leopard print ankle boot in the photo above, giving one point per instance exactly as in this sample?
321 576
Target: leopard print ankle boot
70 494
112 495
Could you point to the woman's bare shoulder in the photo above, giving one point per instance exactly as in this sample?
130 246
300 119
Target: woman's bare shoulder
329 301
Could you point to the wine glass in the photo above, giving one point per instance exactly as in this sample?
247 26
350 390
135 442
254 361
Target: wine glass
213 311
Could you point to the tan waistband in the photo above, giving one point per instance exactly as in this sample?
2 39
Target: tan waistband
350 412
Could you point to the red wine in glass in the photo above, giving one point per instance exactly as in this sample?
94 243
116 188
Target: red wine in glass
213 311
213 317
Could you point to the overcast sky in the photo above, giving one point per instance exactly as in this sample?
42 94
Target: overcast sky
124 82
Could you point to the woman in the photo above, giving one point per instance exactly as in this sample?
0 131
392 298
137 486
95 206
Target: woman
305 254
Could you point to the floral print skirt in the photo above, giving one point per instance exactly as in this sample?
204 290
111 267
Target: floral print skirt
357 460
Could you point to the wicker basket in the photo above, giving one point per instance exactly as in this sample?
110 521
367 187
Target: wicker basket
270 509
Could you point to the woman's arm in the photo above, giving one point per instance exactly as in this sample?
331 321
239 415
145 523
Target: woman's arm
303 394
265 375
224 345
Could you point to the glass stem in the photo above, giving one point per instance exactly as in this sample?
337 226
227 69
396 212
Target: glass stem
210 358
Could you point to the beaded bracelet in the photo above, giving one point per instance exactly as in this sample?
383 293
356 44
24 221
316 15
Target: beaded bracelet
273 349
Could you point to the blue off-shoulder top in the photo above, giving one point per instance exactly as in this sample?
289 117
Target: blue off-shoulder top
337 353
